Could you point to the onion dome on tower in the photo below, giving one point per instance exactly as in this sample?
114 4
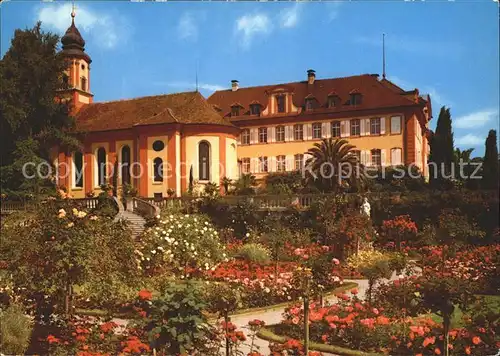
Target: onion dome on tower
77 73
73 44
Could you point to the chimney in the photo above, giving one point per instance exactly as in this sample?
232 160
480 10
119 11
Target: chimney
234 85
311 76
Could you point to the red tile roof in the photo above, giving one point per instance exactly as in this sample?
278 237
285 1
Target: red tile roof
184 108
375 94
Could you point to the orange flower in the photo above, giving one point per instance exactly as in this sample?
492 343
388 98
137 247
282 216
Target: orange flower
437 351
476 340
145 294
467 350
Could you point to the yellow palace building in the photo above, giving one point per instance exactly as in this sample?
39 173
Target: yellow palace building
280 122
157 144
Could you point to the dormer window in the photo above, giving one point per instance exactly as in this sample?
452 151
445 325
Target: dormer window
309 104
355 99
235 110
280 103
333 101
255 109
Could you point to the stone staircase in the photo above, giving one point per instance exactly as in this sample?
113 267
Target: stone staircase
136 222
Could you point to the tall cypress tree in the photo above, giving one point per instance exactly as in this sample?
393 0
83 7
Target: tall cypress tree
490 165
442 152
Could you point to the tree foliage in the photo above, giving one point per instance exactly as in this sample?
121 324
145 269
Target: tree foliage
333 166
442 153
490 166
31 120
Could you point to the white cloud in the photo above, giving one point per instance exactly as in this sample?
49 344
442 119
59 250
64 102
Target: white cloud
470 140
187 27
289 16
249 26
475 119
102 27
191 86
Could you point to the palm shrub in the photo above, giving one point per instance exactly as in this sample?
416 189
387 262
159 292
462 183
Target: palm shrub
15 330
333 166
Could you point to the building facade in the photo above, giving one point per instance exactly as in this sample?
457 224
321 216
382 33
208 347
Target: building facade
280 122
157 144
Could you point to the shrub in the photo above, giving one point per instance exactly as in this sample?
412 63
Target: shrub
180 242
15 330
176 322
254 253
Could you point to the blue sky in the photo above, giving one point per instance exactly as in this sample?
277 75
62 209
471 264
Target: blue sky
447 49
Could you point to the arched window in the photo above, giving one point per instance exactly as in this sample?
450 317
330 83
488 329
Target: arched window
101 166
83 83
158 169
204 161
125 165
78 170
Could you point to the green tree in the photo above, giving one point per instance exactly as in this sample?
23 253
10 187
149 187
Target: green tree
60 247
490 165
442 154
333 165
30 74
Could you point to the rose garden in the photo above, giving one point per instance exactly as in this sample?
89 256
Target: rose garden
417 277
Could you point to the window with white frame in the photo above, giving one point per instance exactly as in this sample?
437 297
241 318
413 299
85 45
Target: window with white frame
375 126
245 137
376 157
355 127
316 130
299 161
245 165
262 134
280 163
280 133
298 132
336 129
263 166
396 125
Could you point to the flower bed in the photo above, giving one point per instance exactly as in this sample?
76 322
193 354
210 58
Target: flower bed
259 285
354 324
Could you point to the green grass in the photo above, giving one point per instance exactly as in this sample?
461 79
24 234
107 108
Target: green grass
266 333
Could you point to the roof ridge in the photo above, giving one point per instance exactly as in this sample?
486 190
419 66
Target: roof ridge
295 82
144 97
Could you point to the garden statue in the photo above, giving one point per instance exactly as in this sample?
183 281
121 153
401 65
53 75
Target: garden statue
365 207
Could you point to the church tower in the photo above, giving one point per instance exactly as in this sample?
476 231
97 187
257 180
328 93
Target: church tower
77 76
